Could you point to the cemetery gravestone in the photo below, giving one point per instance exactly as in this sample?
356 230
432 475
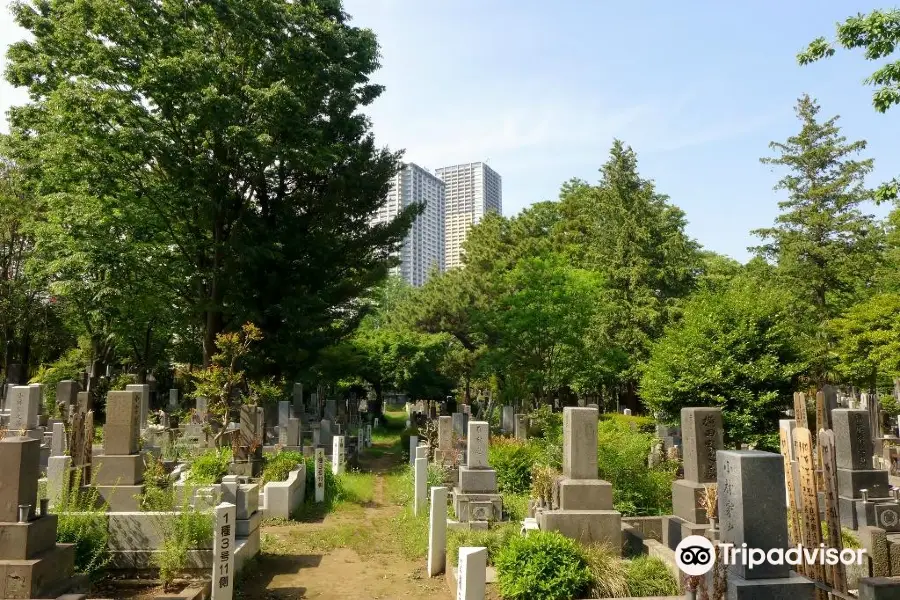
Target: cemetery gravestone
471 573
583 505
32 564
173 399
853 441
337 460
119 473
144 390
320 475
437 532
703 436
420 484
751 508
24 403
521 432
475 498
508 419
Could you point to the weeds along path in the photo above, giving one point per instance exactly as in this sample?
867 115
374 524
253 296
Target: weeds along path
356 552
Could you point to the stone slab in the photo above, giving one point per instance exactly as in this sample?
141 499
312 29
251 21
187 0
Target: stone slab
853 438
585 526
879 588
751 492
703 435
794 587
580 442
37 577
585 494
851 482
19 464
478 481
686 501
847 508
675 529
120 498
118 470
477 444
23 541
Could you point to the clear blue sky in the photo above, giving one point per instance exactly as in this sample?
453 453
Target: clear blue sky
539 89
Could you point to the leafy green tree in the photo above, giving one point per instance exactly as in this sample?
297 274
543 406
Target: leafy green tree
223 139
878 33
735 348
825 249
869 340
629 232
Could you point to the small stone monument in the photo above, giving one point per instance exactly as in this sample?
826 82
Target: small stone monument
24 405
508 419
320 475
119 473
337 458
476 498
144 390
173 399
445 439
460 424
521 427
751 508
854 450
703 437
437 532
421 485
471 578
32 564
583 505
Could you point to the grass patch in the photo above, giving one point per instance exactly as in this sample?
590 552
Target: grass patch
649 576
493 539
355 487
515 506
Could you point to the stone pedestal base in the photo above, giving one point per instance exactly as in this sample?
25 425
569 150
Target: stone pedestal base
847 508
851 482
585 494
586 526
477 507
789 588
675 529
121 498
21 541
477 481
882 513
686 501
43 576
125 469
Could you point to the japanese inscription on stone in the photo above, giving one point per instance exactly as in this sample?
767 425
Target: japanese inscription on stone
223 552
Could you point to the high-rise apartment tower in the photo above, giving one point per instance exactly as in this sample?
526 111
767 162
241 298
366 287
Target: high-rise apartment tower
471 191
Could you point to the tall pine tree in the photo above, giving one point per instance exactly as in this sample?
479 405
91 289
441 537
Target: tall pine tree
825 248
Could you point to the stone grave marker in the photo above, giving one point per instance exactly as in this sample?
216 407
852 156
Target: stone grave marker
413 443
58 443
173 398
421 485
437 532
24 404
508 419
521 427
471 573
320 475
223 552
703 435
144 390
337 459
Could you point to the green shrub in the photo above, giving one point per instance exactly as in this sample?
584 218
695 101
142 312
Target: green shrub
158 495
69 366
515 505
210 467
543 565
181 532
637 423
622 460
278 466
649 576
495 538
513 460
401 485
545 423
83 522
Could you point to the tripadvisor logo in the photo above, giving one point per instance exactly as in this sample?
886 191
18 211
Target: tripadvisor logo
695 555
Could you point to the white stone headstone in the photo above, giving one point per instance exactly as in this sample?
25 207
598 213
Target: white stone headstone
437 532
413 443
173 398
223 552
368 436
477 445
472 575
337 458
320 475
376 422
627 412
422 451
284 412
23 404
421 485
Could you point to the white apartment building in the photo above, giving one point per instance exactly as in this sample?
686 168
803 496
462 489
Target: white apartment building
423 247
471 191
